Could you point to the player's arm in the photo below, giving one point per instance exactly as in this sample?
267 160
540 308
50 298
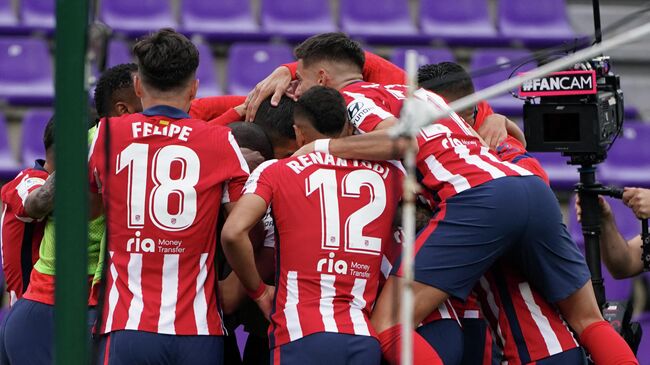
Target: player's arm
622 258
40 202
496 127
212 107
373 146
238 248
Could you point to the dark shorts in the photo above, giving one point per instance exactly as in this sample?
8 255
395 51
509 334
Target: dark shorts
446 337
514 217
325 348
574 356
137 347
27 335
478 345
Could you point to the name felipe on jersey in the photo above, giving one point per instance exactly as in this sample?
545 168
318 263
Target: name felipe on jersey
145 129
331 266
148 245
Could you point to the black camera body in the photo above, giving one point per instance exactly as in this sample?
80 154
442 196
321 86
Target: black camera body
580 112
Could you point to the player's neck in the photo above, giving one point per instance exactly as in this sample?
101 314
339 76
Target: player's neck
48 167
347 79
148 102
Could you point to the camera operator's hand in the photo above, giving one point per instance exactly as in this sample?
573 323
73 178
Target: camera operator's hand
606 210
638 200
493 130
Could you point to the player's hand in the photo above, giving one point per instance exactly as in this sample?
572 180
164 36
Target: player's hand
306 149
265 301
638 200
276 84
240 109
253 158
493 130
605 209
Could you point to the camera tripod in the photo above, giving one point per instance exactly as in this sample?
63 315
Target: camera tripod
617 313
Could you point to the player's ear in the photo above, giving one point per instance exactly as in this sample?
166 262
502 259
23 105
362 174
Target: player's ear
322 77
122 108
194 89
300 136
137 85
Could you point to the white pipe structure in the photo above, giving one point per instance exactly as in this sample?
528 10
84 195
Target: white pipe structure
408 226
416 114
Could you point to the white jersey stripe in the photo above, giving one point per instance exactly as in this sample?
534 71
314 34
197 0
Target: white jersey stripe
2 225
291 307
235 147
493 306
200 303
520 170
135 287
386 266
326 307
444 312
112 297
475 160
168 295
356 308
251 183
459 182
550 338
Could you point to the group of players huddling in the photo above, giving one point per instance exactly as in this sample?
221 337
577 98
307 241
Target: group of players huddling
195 228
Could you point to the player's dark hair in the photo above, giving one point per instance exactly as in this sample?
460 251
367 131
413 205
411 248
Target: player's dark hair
446 79
337 47
276 121
113 80
324 107
167 60
252 136
48 134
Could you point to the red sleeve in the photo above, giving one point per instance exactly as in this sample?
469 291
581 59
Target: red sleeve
214 106
237 171
226 118
381 71
29 180
260 182
484 110
376 69
366 111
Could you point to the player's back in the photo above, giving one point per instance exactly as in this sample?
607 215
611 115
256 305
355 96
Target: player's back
334 222
166 177
17 229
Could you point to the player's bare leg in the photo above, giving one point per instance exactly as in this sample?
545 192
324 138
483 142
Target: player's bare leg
581 311
385 320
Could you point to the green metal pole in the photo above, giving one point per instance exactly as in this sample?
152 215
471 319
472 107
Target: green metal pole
71 209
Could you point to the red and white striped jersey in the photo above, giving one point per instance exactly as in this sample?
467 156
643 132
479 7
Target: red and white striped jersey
167 177
451 158
328 275
20 235
526 327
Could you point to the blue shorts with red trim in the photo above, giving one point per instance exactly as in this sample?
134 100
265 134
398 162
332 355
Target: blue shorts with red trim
326 348
517 218
446 337
139 347
27 335
478 345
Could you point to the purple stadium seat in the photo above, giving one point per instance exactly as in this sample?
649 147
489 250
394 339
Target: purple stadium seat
230 19
8 165
458 21
206 73
38 14
297 19
25 71
250 63
32 142
380 20
628 162
644 348
486 72
137 17
535 22
425 55
8 18
561 175
118 52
